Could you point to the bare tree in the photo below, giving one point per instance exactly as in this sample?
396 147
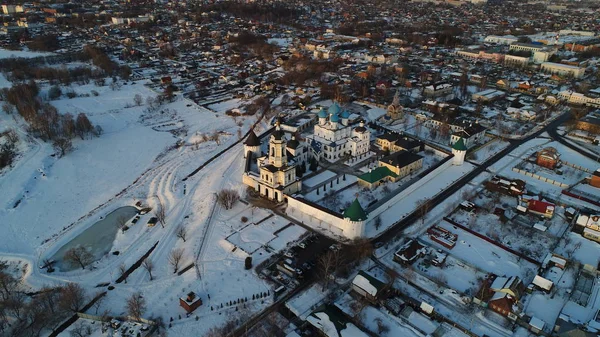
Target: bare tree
137 99
149 266
423 207
122 270
72 297
136 305
377 222
175 258
98 302
81 330
382 328
216 137
227 198
181 232
63 145
161 213
328 265
122 223
78 255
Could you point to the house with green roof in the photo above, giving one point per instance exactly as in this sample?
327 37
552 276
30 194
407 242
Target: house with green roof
369 286
376 177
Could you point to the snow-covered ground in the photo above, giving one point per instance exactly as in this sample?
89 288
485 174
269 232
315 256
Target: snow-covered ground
5 53
136 159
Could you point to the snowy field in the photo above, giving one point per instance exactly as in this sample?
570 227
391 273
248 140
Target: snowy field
5 53
135 159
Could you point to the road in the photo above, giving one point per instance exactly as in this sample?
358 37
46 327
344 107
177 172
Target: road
559 138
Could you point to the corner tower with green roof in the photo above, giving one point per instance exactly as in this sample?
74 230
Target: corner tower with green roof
459 150
355 218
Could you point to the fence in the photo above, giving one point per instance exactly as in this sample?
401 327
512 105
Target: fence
576 166
141 320
75 317
538 177
136 265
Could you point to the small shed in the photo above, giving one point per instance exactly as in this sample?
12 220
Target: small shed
536 325
191 302
542 283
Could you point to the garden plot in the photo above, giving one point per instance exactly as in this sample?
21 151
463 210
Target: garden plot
251 238
224 106
454 273
576 247
274 232
486 256
570 175
516 234
488 150
375 320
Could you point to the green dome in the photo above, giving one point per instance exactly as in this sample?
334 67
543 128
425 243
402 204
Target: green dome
459 145
355 212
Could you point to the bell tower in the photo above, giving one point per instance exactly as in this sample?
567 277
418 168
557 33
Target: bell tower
277 147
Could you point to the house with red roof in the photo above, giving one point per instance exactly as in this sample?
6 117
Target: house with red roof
542 208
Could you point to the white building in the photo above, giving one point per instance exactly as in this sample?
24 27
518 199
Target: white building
563 69
336 138
11 9
578 99
507 39
277 175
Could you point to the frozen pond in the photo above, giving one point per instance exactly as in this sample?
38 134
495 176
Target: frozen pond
97 239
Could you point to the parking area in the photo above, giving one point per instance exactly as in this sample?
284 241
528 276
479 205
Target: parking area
298 262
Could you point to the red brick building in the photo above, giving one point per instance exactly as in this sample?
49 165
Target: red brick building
548 158
595 180
191 302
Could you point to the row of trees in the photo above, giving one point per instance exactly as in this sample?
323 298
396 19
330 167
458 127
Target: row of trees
8 148
28 315
43 118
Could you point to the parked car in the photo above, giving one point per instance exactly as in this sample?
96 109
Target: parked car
302 245
289 254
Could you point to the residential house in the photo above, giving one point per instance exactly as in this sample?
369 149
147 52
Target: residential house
501 294
542 208
376 177
595 179
409 252
402 163
369 286
438 89
471 135
330 321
